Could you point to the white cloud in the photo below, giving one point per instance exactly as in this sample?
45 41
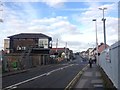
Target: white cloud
55 3
60 27
46 21
62 0
85 20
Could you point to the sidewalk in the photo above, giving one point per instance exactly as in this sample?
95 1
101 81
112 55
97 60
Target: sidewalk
13 73
91 79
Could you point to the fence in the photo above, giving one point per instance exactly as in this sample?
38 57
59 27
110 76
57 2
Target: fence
110 62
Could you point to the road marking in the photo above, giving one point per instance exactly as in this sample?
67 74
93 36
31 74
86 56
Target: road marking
76 64
14 85
98 85
48 73
61 68
28 80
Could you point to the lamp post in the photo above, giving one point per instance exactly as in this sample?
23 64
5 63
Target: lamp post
56 44
96 38
66 49
1 10
103 19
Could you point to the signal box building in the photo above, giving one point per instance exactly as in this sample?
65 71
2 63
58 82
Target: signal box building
27 50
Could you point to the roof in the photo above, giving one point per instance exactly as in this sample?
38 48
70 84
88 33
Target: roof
29 35
101 45
83 51
58 48
89 49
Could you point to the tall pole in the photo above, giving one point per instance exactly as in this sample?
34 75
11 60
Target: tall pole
65 47
66 50
56 44
1 11
103 19
96 40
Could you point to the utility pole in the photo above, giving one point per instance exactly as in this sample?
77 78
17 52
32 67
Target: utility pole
65 47
96 40
56 44
66 50
1 11
103 19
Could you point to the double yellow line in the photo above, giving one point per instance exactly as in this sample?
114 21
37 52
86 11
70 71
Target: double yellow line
76 78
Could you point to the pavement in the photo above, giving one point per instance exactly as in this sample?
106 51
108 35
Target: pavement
91 79
14 72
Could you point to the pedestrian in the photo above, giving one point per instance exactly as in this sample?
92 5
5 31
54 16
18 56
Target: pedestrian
90 63
95 60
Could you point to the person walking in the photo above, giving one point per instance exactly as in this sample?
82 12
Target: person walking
95 59
90 63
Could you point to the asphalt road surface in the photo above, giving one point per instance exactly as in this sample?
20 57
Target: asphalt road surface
50 76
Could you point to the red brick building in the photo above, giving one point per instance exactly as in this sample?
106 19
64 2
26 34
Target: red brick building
101 48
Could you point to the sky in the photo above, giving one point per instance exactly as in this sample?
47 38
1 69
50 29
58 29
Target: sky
66 20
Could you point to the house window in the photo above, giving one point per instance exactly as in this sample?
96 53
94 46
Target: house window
50 44
43 43
23 48
19 48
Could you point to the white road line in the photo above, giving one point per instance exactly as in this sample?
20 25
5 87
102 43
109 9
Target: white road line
61 68
48 73
25 81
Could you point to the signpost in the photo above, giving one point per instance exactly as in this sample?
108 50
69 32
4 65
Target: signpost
107 55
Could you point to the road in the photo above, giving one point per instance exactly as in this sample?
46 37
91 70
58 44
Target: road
50 76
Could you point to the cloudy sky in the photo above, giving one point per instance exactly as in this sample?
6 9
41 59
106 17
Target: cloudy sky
66 20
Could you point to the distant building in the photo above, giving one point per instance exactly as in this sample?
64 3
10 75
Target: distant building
88 52
101 48
59 51
6 45
83 54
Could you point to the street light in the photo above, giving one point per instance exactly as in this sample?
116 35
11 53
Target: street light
103 19
56 44
1 10
96 37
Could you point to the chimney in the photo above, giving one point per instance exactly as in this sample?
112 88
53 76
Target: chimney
101 43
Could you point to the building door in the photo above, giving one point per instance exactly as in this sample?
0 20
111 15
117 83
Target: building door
42 60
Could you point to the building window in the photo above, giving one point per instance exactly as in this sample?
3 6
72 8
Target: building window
23 48
41 44
19 48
